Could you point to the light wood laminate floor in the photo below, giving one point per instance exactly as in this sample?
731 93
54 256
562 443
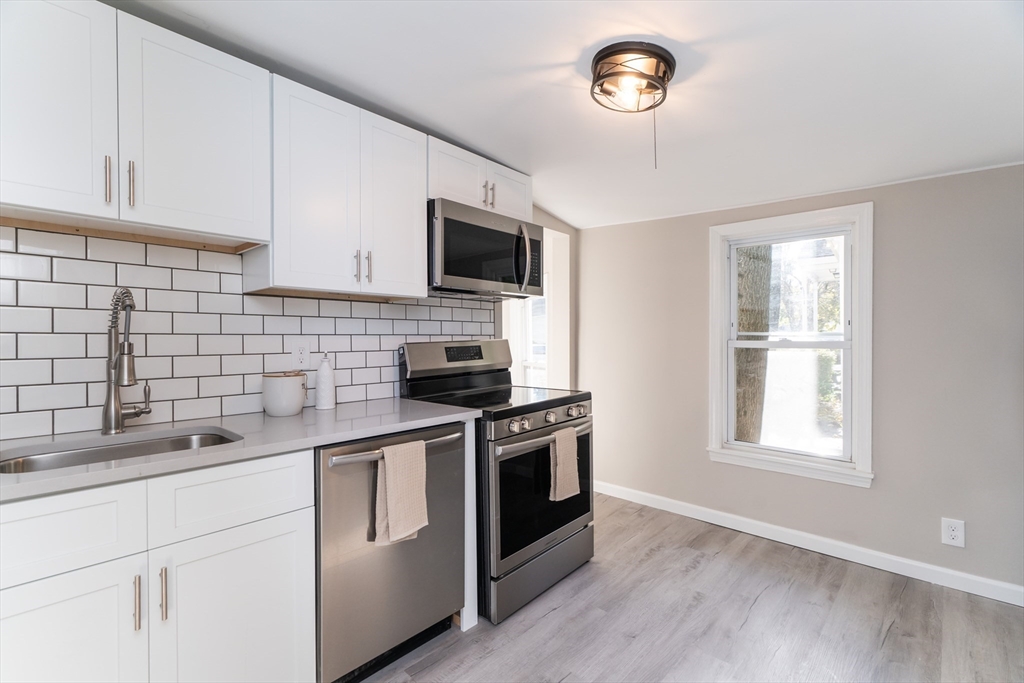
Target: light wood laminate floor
668 598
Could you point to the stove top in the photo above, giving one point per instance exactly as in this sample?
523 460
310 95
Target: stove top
508 401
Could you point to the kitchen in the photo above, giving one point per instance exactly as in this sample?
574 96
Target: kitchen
241 282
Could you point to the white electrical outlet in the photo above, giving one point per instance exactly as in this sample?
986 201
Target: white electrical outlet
300 354
953 532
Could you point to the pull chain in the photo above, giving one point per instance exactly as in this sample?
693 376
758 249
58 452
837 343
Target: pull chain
654 115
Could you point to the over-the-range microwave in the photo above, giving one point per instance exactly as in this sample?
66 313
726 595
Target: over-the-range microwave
476 251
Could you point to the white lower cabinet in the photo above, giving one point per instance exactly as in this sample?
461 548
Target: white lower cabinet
78 626
237 605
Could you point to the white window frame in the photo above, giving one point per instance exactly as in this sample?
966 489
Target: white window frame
855 222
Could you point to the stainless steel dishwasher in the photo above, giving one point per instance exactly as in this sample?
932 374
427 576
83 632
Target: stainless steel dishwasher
371 598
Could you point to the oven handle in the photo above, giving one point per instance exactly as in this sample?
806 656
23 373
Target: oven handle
524 446
370 456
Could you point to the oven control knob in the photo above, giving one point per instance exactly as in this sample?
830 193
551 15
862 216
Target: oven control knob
550 416
572 411
526 423
513 426
581 410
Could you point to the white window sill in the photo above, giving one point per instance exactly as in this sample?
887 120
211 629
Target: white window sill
818 468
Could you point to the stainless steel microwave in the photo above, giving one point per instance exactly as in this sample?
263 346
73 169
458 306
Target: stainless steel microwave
476 251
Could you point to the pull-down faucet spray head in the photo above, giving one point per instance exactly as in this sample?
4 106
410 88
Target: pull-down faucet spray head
124 358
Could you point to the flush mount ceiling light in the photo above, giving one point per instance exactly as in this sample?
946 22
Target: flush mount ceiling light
631 76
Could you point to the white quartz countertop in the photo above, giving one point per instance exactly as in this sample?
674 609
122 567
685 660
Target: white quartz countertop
262 436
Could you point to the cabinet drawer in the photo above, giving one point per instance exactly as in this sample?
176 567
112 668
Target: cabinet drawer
48 536
191 504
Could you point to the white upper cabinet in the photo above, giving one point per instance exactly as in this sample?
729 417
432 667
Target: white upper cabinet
58 106
194 135
457 174
85 625
316 189
470 179
393 226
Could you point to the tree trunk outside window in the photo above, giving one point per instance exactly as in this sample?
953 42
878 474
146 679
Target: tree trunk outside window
754 272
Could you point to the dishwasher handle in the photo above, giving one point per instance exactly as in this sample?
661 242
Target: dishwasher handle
378 454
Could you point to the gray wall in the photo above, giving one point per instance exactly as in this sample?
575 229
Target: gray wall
948 372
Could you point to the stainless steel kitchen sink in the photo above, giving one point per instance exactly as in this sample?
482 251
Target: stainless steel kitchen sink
108 448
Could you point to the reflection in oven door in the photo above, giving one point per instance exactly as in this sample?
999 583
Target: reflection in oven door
524 520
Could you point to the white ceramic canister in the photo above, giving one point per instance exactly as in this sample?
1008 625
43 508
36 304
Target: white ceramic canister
326 398
284 393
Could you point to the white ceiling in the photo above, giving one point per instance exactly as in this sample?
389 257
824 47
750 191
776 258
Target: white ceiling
771 100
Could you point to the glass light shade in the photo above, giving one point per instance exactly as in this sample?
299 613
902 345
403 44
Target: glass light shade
631 76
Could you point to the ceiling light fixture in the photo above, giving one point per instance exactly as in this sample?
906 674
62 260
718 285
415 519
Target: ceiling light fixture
631 76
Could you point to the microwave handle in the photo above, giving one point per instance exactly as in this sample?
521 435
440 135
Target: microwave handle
521 280
502 452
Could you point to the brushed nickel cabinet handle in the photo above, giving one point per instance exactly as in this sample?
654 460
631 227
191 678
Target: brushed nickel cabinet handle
163 594
107 191
492 195
359 266
485 193
138 598
369 266
131 183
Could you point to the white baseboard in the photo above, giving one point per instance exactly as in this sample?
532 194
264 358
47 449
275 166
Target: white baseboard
969 583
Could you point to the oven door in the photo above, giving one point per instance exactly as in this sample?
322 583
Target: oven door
523 521
479 251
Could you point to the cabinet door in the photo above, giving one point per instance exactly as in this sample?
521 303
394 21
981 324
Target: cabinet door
196 124
58 106
78 626
240 604
457 174
316 189
393 208
511 192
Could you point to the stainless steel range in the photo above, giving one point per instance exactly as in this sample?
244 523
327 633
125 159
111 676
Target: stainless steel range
527 543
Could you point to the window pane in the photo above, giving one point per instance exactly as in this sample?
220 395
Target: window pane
790 289
791 399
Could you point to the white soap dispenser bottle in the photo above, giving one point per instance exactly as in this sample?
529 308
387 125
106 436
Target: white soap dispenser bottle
326 398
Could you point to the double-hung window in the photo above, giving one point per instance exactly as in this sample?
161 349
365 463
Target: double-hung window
791 344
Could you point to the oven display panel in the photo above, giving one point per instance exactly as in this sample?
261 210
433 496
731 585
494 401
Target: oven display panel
455 354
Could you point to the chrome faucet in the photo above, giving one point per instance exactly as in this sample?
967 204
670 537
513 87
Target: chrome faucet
121 366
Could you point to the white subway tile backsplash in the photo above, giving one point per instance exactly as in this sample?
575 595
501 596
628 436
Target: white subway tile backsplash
237 405
172 389
198 341
196 366
220 303
8 292
50 294
262 305
241 324
487 329
277 324
330 308
82 370
51 346
81 320
219 344
51 396
317 326
301 307
241 365
8 399
51 244
196 408
196 323
171 257
167 300
23 319
222 263
20 425
195 280
116 251
8 238
230 284
220 386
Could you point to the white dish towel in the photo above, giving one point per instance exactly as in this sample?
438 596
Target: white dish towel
401 492
565 476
